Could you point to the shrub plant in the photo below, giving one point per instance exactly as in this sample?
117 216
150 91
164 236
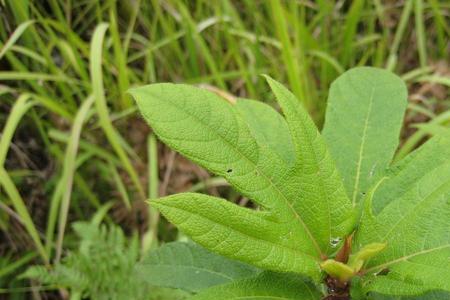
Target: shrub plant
335 216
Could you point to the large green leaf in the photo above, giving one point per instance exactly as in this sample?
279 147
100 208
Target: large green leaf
189 267
237 232
363 121
305 209
267 286
322 200
415 227
268 127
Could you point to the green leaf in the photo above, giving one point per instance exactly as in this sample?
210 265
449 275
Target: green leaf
404 175
322 202
268 127
362 127
208 130
267 286
356 261
213 133
337 270
415 227
189 267
236 232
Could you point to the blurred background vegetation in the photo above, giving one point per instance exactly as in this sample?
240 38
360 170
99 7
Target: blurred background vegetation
74 152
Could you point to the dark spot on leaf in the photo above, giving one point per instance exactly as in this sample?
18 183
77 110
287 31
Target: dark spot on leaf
383 272
229 170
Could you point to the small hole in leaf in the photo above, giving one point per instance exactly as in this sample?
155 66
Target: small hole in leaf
229 170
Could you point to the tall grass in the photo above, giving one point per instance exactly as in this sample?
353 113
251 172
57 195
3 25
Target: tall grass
66 67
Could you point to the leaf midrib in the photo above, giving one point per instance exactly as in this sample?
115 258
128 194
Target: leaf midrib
361 149
296 215
318 167
300 117
239 231
406 257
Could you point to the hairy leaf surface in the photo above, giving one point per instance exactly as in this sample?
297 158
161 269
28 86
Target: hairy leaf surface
189 267
321 196
236 232
362 127
415 227
267 286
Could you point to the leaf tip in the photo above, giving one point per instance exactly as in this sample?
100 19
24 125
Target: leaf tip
157 203
269 79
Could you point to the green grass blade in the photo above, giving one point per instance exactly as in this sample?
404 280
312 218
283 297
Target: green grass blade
293 71
392 59
69 170
12 267
35 76
350 30
420 32
15 36
100 104
21 106
120 186
120 61
151 239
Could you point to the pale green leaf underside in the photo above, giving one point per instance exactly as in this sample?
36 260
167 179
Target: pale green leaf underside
267 286
415 226
364 116
189 267
322 195
268 127
236 232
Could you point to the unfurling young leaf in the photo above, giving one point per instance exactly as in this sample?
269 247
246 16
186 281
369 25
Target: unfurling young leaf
338 270
344 272
357 260
395 219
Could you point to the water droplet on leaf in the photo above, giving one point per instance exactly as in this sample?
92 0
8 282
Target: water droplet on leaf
335 241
